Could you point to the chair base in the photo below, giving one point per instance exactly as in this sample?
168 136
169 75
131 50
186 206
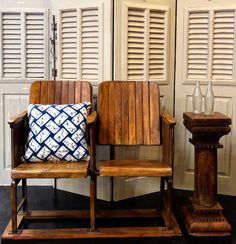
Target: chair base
77 233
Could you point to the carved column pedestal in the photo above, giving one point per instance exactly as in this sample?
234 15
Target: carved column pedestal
204 215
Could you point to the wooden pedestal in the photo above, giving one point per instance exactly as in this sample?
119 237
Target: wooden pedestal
204 215
205 221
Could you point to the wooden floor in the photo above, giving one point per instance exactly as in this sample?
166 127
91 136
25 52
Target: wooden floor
65 200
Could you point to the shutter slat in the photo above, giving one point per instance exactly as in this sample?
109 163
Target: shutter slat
136 43
223 44
157 40
11 45
69 44
198 41
90 44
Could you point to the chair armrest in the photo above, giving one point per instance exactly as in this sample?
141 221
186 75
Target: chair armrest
92 118
168 119
17 119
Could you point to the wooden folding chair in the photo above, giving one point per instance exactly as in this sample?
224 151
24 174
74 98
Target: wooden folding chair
129 115
48 92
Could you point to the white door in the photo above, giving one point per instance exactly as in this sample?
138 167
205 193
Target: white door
206 50
84 52
144 50
24 37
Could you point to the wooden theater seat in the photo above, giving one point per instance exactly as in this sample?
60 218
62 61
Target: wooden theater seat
48 92
129 115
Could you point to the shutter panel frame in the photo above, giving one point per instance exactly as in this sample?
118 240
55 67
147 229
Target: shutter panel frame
149 71
91 16
22 54
221 49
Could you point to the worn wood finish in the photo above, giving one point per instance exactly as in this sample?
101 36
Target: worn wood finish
49 92
134 168
60 92
77 233
203 217
131 116
51 170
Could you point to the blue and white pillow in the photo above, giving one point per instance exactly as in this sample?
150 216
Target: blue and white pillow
57 132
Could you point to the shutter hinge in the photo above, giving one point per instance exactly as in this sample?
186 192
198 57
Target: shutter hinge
53 48
54 72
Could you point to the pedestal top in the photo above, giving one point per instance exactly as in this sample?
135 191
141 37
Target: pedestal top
201 123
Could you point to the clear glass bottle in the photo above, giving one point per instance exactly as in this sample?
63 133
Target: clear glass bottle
197 99
209 100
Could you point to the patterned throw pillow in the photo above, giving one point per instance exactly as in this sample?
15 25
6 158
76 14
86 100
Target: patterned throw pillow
57 132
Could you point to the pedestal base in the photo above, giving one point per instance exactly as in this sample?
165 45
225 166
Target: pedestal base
205 221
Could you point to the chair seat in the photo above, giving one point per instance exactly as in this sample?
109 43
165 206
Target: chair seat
59 169
134 168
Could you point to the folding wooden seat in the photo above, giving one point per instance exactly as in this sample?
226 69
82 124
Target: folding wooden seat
129 115
49 92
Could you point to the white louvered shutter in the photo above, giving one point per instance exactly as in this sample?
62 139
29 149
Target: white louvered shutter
145 48
157 45
89 68
11 45
69 44
136 44
223 45
80 46
35 45
23 44
198 45
210 45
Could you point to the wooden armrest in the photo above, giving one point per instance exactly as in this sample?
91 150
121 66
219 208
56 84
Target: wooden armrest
168 119
16 119
92 118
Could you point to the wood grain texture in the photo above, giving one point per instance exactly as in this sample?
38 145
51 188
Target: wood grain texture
35 92
58 169
129 112
154 114
111 118
139 112
51 91
64 92
146 114
103 104
132 124
125 113
57 97
86 94
134 168
118 112
60 92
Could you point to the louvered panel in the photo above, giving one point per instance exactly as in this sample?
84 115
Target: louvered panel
35 49
89 44
157 48
11 45
198 41
223 44
136 44
69 44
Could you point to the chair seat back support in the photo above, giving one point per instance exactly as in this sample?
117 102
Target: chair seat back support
129 113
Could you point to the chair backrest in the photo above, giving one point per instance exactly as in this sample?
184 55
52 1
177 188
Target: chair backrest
60 92
129 113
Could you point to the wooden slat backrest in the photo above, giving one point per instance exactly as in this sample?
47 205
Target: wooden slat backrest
60 92
129 113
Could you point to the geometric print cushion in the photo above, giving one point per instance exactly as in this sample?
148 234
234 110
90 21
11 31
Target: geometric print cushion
57 132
